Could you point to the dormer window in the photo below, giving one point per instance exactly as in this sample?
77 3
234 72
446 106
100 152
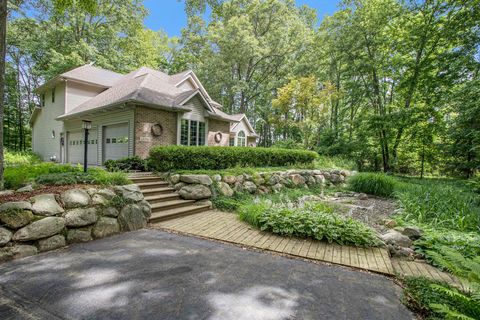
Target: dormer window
53 95
42 100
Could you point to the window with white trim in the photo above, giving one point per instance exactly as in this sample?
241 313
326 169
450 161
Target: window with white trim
241 139
192 133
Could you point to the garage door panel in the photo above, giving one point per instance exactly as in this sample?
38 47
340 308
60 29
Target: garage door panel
115 141
75 147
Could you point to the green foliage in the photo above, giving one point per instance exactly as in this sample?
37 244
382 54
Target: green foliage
181 157
432 299
474 183
93 176
433 239
230 204
334 162
127 164
20 158
378 184
17 176
439 205
317 221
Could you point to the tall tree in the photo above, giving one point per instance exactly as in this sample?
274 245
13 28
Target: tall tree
3 49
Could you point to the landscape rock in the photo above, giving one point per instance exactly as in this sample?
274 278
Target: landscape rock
319 179
195 192
27 188
19 205
105 227
204 202
196 179
43 228
91 191
273 180
240 178
5 254
106 193
46 205
390 223
230 179
217 177
249 186
224 189
130 192
21 251
80 217
238 187
110 212
179 185
396 238
75 198
277 187
146 208
98 199
5 236
79 235
15 219
6 192
51 243
131 218
297 179
361 196
413 233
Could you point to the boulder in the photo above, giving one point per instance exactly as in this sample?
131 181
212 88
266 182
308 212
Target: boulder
224 189
240 178
249 186
389 223
229 179
21 251
51 243
130 192
413 233
27 188
5 254
98 199
297 180
6 193
5 236
179 185
361 196
204 202
105 227
396 238
39 229
131 218
80 217
319 179
238 187
75 198
20 205
175 178
79 235
311 181
196 179
146 208
106 193
46 205
195 192
277 187
16 219
336 178
91 191
273 180
217 177
110 212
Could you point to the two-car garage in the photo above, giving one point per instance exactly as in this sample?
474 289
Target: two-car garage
111 142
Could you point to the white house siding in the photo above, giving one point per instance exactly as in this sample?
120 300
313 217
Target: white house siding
78 93
241 126
103 119
187 85
198 109
42 141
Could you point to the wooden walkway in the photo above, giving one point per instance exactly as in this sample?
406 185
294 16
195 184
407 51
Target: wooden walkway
227 227
405 268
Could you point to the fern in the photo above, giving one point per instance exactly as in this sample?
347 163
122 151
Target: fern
448 312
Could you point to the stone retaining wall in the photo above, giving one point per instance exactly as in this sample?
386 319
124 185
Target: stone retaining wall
201 186
49 221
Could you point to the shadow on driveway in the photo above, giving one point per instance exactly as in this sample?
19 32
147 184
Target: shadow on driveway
150 274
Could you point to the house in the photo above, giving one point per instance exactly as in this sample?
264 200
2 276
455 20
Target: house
128 114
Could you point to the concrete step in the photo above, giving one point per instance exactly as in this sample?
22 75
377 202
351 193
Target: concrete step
157 191
150 185
166 205
162 197
146 178
178 212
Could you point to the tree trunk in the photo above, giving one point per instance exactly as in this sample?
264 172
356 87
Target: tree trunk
3 49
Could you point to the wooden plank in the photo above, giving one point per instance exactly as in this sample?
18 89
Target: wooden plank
387 260
273 245
269 241
353 257
406 268
313 249
236 234
306 246
371 261
282 244
289 247
336 255
328 252
320 253
382 266
261 242
298 247
345 255
362 258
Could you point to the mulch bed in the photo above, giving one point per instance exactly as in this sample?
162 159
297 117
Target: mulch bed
25 196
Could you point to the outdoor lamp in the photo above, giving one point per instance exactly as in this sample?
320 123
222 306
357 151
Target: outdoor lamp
86 125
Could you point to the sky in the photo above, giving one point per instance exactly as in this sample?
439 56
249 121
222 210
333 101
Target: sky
168 15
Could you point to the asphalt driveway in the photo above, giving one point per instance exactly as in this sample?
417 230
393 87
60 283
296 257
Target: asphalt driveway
150 274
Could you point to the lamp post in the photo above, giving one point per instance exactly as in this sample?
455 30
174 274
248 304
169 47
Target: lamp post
86 125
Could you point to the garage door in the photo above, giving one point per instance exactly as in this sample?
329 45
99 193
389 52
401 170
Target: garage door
75 147
115 141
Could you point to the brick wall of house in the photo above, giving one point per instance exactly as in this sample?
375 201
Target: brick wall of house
145 118
215 126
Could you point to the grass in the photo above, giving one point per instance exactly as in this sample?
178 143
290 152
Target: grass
378 184
20 158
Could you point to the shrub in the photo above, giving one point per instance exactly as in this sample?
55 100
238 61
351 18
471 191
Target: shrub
377 184
20 158
465 243
214 158
93 176
317 221
126 164
17 176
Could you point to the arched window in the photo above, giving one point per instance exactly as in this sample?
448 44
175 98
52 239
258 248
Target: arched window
241 140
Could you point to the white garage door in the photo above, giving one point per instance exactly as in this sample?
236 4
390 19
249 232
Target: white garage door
115 141
75 147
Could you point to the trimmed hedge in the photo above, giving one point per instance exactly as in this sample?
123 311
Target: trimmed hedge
214 158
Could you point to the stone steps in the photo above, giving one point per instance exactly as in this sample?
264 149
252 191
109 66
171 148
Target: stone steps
164 201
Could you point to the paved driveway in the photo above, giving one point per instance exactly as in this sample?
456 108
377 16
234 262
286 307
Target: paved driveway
150 274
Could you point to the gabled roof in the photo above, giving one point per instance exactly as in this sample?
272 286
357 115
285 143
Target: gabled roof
86 74
242 117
